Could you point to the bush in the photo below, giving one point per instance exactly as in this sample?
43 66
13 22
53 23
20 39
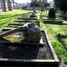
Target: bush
52 13
34 4
64 16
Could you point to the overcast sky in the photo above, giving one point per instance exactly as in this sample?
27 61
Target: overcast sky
24 1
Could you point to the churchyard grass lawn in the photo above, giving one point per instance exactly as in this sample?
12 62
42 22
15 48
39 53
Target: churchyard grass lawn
52 29
7 17
64 41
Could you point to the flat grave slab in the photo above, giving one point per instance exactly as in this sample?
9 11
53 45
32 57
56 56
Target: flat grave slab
6 40
15 25
54 21
27 21
22 20
29 55
6 29
35 18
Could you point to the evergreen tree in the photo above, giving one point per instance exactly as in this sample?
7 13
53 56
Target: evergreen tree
62 5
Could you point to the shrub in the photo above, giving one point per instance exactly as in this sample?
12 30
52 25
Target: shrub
64 16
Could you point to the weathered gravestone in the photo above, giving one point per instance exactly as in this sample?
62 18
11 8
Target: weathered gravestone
51 13
33 14
31 32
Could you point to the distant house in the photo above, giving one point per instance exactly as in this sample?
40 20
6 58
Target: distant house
5 5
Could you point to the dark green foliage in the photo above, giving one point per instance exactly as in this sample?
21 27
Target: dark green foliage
62 5
64 16
34 4
46 4
51 13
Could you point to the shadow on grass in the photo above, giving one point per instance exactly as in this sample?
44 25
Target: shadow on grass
60 39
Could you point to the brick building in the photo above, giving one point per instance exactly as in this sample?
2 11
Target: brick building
5 5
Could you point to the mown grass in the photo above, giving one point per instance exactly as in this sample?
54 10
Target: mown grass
64 40
7 17
52 29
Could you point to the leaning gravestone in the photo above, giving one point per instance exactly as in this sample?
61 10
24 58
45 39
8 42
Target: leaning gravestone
33 34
